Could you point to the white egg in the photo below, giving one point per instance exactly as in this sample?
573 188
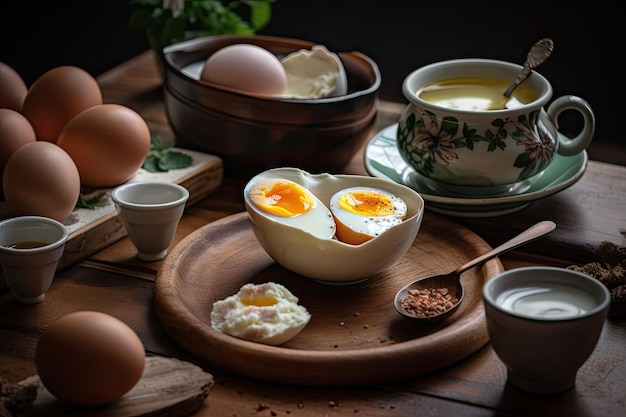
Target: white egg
364 213
248 68
289 203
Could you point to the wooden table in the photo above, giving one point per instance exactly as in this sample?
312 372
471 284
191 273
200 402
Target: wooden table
113 281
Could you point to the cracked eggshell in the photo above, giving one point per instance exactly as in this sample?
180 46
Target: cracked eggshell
327 259
314 73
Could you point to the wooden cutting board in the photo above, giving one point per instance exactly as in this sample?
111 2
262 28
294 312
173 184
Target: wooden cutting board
93 230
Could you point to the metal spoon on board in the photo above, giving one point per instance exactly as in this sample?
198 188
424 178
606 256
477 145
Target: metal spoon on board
537 55
451 283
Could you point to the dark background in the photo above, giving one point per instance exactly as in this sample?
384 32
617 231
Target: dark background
400 35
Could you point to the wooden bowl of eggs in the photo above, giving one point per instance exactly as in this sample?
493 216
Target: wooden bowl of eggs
335 229
262 102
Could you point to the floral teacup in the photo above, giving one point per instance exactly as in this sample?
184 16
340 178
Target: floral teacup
486 150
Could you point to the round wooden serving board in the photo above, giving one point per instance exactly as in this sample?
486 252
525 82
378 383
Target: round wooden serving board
355 336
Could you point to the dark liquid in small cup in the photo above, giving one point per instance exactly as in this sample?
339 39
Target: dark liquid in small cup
27 244
475 93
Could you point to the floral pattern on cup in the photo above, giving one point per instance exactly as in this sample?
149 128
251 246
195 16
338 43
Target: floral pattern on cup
427 140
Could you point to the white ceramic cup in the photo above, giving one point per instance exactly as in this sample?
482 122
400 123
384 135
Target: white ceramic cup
30 250
544 323
476 151
150 211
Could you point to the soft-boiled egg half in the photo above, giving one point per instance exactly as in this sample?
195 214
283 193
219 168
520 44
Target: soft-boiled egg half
290 203
363 213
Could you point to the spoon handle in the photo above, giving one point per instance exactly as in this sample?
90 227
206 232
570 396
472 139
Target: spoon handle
532 233
540 51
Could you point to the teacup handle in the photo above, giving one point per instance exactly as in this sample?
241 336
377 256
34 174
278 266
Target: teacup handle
572 146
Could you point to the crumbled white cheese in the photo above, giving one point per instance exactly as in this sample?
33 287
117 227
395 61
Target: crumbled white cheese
266 313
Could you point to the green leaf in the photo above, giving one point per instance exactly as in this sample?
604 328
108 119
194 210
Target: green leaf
151 164
161 158
174 160
88 203
200 17
260 13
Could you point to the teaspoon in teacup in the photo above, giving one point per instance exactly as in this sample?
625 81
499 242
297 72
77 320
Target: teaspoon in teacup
437 297
537 55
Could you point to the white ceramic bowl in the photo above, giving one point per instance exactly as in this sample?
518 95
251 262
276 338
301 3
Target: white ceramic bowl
544 323
329 260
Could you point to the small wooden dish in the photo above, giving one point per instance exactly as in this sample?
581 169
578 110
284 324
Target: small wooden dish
355 335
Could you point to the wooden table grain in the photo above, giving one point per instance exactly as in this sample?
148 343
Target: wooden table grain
113 281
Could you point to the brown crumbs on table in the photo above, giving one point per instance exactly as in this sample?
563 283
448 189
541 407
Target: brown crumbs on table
428 302
266 407
611 271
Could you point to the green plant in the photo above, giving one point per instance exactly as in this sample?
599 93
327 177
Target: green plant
169 21
161 157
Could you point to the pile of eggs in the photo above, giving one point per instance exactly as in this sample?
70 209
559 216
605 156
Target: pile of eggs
313 73
58 136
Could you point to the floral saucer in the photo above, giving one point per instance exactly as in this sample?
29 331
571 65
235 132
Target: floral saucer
383 160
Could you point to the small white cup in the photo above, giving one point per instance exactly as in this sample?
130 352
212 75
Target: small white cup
544 323
30 250
150 211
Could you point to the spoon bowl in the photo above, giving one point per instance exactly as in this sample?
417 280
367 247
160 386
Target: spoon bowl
437 297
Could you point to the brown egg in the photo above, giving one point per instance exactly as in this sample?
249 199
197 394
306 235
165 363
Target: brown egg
89 358
12 88
15 131
41 179
108 143
56 97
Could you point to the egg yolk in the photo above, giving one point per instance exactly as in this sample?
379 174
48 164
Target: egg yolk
282 198
366 203
361 214
259 301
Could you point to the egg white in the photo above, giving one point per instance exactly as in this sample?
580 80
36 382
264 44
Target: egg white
362 213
